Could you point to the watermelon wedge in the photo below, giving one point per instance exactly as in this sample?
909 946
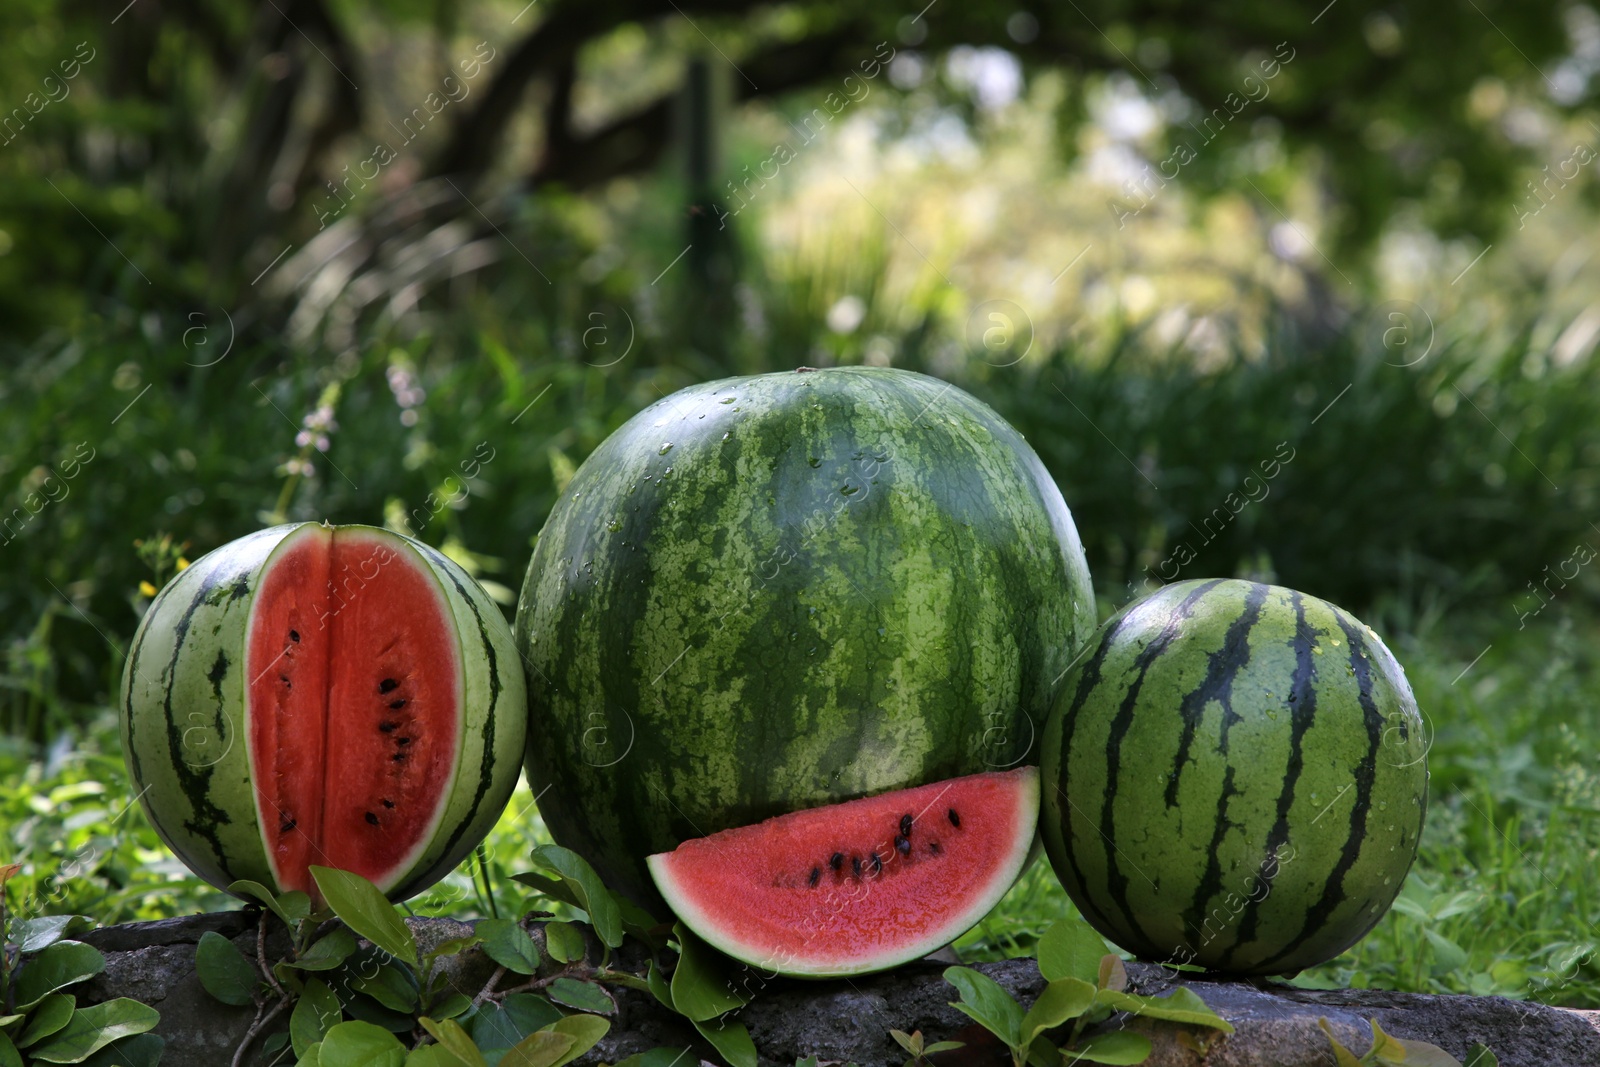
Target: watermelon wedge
859 886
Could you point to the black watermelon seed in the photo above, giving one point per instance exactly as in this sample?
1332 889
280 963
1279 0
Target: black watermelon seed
387 726
816 876
955 820
387 684
294 635
372 819
933 846
877 864
286 827
284 678
836 861
398 704
402 740
905 825
398 757
902 845
855 865
388 803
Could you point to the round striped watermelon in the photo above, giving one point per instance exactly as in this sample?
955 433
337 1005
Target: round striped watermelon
1234 776
779 592
337 696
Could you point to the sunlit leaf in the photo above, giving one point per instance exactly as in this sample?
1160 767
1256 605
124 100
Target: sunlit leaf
91 1029
508 944
365 910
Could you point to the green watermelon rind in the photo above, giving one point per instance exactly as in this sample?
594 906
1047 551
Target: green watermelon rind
779 592
183 715
1268 862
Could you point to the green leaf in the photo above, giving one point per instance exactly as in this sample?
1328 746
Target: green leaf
365 910
658 985
452 1006
1388 1049
426 1056
454 1041
1042 1052
542 1049
450 947
1479 1055
585 1031
943 1046
731 1040
141 1050
36 935
1447 955
91 1029
700 986
359 1044
364 1009
328 951
508 944
551 888
315 1013
1182 1006
983 1000
585 996
563 942
1071 949
911 1042
660 1057
1342 1056
9 1056
50 1015
516 1018
1117 1046
1066 998
594 897
57 967
637 921
392 986
291 907
224 972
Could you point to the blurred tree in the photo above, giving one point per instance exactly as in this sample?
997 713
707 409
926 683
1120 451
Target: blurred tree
201 136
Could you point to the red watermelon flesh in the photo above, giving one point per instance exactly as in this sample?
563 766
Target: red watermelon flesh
859 886
354 706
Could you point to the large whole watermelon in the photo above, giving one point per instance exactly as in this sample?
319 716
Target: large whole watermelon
314 695
778 592
1234 776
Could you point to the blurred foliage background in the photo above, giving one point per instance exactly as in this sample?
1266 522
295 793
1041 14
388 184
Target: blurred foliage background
1298 294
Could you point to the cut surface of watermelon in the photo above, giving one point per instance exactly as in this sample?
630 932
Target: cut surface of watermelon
859 886
355 694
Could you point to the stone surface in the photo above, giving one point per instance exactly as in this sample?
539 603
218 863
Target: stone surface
849 1020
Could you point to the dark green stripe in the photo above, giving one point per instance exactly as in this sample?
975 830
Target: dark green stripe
1302 713
194 782
1333 893
1222 669
1088 681
1116 879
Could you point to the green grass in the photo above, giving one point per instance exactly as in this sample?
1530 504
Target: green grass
1502 898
